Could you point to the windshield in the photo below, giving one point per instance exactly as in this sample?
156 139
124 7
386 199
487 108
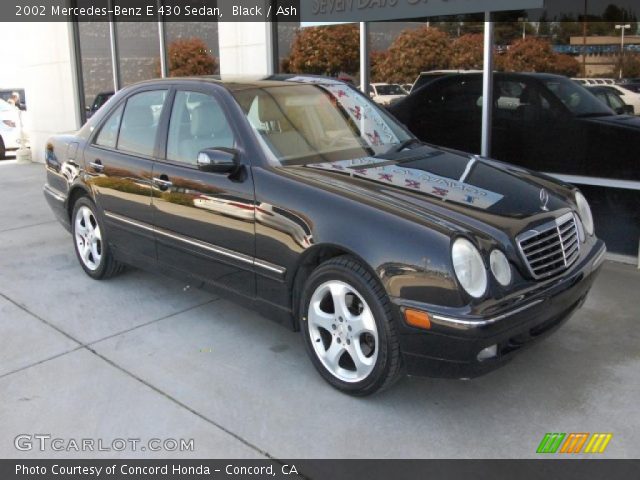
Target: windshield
577 99
390 90
310 123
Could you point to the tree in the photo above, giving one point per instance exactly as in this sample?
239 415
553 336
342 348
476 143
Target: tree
190 56
413 51
376 60
565 65
327 50
537 55
466 52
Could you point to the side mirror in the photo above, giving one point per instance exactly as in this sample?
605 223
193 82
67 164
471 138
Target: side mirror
218 160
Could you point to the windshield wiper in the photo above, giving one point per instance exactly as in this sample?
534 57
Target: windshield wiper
399 147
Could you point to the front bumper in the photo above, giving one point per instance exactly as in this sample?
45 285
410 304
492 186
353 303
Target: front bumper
450 349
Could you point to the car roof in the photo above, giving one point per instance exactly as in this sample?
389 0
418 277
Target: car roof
440 72
539 76
237 83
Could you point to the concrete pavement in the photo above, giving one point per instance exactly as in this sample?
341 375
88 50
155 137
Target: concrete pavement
143 356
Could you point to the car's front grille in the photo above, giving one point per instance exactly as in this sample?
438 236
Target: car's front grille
550 248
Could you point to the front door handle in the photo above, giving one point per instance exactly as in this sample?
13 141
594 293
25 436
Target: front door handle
97 166
162 182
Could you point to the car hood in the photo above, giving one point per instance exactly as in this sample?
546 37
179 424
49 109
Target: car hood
631 122
464 188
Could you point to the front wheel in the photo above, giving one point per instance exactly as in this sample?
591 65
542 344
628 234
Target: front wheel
348 328
89 241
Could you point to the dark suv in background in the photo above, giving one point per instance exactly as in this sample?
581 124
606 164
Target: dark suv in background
543 122
101 99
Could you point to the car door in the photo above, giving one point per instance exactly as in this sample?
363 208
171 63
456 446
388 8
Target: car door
119 160
550 138
204 221
507 128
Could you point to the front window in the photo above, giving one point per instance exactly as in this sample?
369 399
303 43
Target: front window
578 100
308 123
197 123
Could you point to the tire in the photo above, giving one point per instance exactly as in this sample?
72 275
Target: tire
355 346
3 151
87 230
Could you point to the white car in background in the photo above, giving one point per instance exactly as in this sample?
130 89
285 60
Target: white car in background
628 97
9 128
386 93
594 81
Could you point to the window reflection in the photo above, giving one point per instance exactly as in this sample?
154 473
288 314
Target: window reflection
95 56
139 51
192 48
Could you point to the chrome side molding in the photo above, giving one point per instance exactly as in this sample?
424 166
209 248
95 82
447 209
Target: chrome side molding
224 252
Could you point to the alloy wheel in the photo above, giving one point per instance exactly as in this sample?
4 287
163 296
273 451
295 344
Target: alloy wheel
343 331
88 238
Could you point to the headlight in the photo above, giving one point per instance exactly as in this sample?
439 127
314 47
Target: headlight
585 213
469 267
500 267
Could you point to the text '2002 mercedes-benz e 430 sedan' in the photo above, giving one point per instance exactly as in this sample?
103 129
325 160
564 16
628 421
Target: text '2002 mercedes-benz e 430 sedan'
301 197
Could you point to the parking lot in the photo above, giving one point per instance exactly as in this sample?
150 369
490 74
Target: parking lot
143 356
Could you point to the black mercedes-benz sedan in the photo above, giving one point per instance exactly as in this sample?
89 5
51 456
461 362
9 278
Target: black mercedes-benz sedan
302 198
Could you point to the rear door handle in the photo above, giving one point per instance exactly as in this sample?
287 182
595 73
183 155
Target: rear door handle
162 182
97 166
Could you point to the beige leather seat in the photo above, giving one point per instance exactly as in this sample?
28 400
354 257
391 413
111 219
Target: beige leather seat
280 131
209 129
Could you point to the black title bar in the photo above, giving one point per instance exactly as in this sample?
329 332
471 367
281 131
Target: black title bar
574 469
314 11
150 10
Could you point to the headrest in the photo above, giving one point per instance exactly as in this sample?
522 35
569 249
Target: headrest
268 110
207 119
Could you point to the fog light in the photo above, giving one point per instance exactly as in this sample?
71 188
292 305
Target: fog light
500 267
418 319
487 353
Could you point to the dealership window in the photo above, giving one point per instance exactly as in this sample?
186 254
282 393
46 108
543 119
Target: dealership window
286 34
138 51
331 50
95 58
192 48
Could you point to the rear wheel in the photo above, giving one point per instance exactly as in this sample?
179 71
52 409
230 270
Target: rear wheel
348 328
89 241
3 151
